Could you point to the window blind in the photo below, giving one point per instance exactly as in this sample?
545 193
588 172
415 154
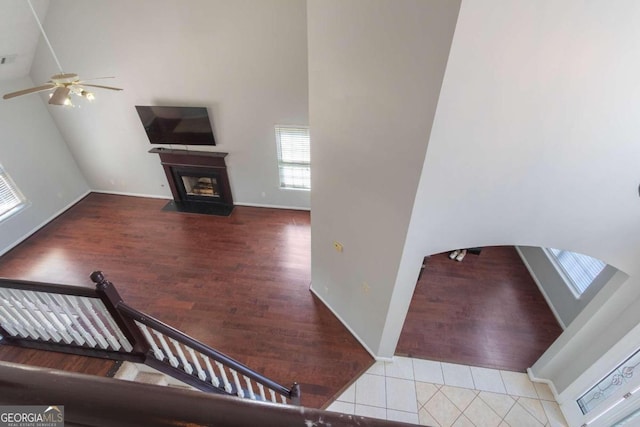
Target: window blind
580 269
10 196
294 156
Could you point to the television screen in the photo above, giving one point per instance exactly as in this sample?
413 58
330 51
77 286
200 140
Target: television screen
176 125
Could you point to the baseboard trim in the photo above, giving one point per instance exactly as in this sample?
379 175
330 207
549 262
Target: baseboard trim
124 193
45 222
550 383
260 205
542 291
351 331
154 196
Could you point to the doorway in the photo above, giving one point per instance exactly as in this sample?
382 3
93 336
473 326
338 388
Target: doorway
485 310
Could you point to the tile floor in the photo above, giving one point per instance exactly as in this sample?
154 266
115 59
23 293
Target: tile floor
444 394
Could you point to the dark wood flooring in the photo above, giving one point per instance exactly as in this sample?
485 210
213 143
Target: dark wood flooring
484 311
239 284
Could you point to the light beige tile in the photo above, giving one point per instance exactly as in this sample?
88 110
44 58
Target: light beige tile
401 395
481 414
401 367
442 410
518 384
461 397
349 395
376 369
554 414
518 416
371 411
424 392
463 421
428 371
504 424
487 379
371 391
500 403
457 375
425 419
544 392
534 407
403 417
342 407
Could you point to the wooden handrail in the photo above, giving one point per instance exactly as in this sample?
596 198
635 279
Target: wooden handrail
105 402
51 288
185 339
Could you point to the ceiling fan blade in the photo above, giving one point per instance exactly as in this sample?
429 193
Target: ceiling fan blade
95 78
28 91
100 86
60 96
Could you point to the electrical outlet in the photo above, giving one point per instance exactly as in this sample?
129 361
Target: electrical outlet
338 246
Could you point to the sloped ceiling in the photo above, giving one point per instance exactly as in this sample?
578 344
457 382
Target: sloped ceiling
19 35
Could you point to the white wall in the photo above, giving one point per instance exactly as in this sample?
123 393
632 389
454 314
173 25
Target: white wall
535 142
38 160
375 71
244 60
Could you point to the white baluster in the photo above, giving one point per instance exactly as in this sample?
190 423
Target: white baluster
247 380
163 342
59 320
46 318
113 342
114 326
15 324
284 399
78 327
7 326
273 396
156 350
110 331
28 312
236 380
15 312
92 329
68 306
214 379
225 380
201 374
185 363
261 389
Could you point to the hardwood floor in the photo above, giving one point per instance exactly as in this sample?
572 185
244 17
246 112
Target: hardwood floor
483 311
239 284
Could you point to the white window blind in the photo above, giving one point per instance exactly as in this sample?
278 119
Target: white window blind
10 196
580 270
294 156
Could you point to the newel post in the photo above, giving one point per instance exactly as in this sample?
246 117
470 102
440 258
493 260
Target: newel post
295 394
112 299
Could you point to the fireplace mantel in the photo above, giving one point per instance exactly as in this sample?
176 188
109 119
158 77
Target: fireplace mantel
186 170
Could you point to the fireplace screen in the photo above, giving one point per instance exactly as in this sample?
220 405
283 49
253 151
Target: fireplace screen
202 186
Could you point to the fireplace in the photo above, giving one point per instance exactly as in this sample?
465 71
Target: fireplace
198 180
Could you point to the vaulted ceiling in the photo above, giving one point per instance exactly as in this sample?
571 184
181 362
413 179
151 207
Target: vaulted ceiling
19 35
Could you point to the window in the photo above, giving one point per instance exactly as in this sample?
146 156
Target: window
579 270
10 197
294 157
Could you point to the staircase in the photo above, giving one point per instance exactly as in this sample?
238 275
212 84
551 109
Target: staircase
97 323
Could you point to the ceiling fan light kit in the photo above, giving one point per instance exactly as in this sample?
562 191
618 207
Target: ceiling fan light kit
63 84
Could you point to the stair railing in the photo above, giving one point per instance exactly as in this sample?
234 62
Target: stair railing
97 322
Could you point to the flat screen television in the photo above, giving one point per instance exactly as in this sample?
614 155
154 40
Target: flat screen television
176 125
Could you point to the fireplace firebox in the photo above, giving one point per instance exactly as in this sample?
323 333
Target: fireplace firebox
198 180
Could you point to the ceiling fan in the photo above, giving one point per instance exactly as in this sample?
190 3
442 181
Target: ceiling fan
63 84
